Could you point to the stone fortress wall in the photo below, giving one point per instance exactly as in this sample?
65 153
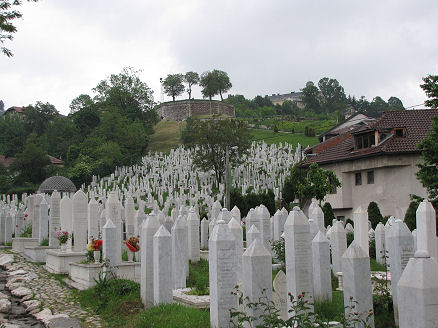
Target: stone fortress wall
180 110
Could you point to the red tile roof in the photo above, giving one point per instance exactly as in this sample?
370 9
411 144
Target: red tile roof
6 161
415 122
15 109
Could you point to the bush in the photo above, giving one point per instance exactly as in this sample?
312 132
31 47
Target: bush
252 200
199 277
329 215
411 215
279 250
374 214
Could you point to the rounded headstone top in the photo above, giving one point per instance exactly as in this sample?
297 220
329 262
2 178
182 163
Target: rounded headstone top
58 183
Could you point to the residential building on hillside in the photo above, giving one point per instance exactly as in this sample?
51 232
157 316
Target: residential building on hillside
352 122
14 110
6 161
293 96
376 162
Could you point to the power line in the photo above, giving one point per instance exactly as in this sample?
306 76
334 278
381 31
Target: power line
422 104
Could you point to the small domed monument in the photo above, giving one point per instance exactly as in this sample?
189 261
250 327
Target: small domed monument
59 183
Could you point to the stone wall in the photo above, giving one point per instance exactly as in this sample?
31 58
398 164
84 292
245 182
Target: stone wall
180 110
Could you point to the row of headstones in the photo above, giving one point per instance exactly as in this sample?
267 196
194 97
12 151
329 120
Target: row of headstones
308 268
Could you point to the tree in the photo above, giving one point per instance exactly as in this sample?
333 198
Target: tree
310 97
314 182
30 165
223 82
411 215
209 85
173 85
329 215
39 116
430 86
333 93
374 215
191 78
126 92
428 173
395 104
8 13
80 102
210 139
2 107
13 135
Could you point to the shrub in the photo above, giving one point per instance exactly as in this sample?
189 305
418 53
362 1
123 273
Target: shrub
329 215
411 215
350 238
279 250
374 214
44 242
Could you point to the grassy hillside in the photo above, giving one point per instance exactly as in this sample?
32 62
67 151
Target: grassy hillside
167 136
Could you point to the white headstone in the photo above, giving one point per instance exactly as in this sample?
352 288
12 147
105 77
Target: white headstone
257 278
179 253
426 228
251 235
338 243
204 233
93 219
279 295
356 278
44 221
222 276
237 232
193 235
418 292
109 251
360 217
380 243
162 249
148 230
298 253
55 218
80 221
322 283
113 213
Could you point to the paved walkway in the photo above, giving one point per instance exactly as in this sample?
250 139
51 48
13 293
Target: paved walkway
52 294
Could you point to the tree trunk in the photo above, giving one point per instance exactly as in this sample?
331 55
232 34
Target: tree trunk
220 92
173 97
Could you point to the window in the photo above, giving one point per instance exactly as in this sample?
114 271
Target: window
399 132
333 190
358 177
364 141
370 177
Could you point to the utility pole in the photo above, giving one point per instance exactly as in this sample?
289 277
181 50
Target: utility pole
227 177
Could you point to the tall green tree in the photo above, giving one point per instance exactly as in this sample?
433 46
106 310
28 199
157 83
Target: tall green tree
173 85
209 85
210 139
191 78
395 103
313 182
223 82
428 173
9 13
13 133
80 102
333 93
311 98
39 116
127 92
430 86
30 165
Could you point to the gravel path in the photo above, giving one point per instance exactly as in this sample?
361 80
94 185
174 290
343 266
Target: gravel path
52 294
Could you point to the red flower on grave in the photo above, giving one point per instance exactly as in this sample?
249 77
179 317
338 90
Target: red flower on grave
132 244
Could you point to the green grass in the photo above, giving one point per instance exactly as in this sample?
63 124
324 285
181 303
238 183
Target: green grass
59 277
166 136
271 137
376 266
174 316
198 277
118 303
331 310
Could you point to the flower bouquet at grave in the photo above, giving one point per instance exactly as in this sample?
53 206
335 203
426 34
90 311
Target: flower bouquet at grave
133 244
62 236
95 244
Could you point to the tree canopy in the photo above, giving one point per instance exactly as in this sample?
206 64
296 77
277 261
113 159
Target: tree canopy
305 184
9 13
213 83
173 85
333 93
430 86
209 140
191 78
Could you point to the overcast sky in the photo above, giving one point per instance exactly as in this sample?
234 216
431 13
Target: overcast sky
63 48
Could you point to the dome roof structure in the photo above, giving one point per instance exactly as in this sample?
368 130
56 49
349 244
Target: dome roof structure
61 184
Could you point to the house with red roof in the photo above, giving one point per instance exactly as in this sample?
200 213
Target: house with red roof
375 162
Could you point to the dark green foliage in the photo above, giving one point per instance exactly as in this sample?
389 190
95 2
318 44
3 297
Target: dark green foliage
173 85
428 173
27 231
372 250
252 200
374 215
191 78
411 215
333 94
213 137
213 83
329 215
311 98
280 254
309 132
199 277
430 87
350 238
44 242
306 184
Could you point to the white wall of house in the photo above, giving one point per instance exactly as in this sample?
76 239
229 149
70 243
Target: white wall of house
394 181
